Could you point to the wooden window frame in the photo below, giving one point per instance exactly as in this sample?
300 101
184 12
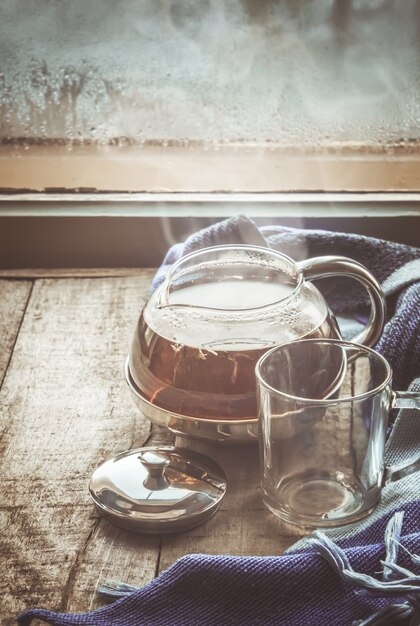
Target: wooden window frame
200 169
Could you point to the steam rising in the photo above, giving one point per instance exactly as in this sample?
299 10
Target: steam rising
283 72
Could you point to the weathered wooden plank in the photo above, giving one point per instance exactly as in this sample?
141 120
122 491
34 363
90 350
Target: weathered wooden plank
116 554
14 297
65 408
110 553
64 272
242 526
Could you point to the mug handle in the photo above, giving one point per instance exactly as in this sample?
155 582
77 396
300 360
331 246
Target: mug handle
326 266
403 400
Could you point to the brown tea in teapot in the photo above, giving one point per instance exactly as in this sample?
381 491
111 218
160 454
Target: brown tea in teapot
180 367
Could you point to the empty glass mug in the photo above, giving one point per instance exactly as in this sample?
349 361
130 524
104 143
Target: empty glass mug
323 411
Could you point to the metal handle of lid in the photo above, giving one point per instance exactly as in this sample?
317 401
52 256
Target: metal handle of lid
155 464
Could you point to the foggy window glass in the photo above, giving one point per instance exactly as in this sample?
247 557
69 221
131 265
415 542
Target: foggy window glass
288 73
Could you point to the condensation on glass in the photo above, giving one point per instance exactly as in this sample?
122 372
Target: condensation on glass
281 72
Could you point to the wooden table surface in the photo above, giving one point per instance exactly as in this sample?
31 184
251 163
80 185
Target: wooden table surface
65 408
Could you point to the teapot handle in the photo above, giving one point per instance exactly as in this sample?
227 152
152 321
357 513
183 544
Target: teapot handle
326 266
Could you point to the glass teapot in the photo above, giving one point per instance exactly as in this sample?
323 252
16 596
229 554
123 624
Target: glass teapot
199 336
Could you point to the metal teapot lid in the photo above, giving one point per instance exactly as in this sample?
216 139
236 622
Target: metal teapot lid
158 489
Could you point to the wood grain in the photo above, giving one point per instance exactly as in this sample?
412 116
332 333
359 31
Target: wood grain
65 408
14 296
115 554
242 526
104 272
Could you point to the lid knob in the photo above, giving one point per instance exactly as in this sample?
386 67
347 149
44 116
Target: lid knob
155 464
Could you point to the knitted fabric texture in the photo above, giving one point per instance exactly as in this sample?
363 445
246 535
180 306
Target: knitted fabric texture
301 587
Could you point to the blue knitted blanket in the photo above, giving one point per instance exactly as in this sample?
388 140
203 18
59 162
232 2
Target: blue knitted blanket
365 573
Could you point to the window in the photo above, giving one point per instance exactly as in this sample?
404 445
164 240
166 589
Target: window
180 95
282 109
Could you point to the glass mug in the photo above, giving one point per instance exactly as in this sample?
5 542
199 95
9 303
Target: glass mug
323 411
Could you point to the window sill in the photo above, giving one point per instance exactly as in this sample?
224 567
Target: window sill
211 205
196 168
